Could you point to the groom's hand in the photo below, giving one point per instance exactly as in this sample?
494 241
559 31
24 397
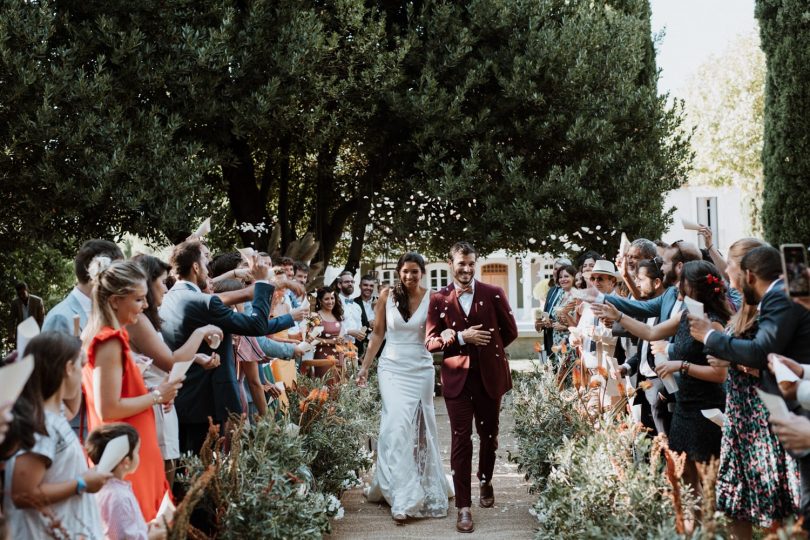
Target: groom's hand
475 336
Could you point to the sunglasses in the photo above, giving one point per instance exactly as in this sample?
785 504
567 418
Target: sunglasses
658 262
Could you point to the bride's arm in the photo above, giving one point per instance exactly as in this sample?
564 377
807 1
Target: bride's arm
376 338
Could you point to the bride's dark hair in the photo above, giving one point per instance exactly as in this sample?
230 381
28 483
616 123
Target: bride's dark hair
400 292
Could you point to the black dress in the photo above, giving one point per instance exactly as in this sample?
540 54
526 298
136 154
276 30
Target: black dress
690 431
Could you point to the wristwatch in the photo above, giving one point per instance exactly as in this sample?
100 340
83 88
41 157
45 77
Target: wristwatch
157 396
81 485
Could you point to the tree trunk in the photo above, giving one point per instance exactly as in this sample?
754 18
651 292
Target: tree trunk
244 196
287 231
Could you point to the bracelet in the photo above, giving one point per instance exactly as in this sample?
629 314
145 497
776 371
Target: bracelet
81 485
157 397
684 368
621 315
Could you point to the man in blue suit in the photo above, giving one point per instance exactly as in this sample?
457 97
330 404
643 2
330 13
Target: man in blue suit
213 393
60 317
783 327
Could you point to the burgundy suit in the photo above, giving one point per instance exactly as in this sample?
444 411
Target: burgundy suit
473 378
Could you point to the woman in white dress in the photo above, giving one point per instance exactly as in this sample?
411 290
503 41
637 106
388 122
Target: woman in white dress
408 474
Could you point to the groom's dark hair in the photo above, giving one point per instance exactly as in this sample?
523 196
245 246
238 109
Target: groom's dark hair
463 248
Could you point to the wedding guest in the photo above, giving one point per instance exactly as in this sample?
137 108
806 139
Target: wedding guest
700 385
550 300
249 355
585 263
783 327
301 273
650 284
561 316
23 306
78 302
757 483
353 328
212 393
146 340
49 485
113 384
330 310
120 515
365 300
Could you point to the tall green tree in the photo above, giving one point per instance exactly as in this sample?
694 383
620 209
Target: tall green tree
786 150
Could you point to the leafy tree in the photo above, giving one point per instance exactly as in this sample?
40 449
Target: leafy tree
725 103
528 122
786 149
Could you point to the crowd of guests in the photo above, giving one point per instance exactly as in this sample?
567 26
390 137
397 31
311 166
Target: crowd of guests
715 360
102 371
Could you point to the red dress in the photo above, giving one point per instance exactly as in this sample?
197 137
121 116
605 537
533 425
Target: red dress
149 480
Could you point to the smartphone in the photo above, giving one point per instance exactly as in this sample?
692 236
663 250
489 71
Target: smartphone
794 266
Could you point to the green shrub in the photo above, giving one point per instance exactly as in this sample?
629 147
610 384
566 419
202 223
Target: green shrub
603 486
262 487
336 431
544 418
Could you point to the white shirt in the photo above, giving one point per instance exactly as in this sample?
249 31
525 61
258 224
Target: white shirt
120 512
352 318
465 300
643 365
78 514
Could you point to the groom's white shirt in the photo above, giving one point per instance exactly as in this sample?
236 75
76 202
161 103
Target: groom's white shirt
465 300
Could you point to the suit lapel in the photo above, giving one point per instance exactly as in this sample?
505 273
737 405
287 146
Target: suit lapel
453 301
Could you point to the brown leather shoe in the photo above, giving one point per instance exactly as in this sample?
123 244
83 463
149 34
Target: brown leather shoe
465 524
487 499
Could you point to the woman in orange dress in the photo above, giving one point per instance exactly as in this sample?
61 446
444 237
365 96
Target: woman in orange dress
113 386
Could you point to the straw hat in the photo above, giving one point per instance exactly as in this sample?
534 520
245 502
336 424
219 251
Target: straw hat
603 267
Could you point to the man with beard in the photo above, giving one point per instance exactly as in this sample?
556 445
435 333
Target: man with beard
650 284
471 323
668 304
783 327
352 322
213 393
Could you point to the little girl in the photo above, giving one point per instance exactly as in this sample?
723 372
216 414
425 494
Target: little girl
119 508
50 485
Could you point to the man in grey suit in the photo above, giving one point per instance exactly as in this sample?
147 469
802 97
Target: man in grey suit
24 306
60 317
213 393
783 327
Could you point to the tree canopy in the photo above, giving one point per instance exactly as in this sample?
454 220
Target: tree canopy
371 125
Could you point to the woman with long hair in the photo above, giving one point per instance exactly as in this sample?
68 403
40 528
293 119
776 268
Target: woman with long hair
701 385
147 341
330 311
408 474
113 385
757 482
561 316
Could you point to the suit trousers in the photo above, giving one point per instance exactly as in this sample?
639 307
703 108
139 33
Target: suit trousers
472 404
659 409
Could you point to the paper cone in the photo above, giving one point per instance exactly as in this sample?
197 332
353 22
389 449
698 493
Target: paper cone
14 376
624 245
204 228
166 510
116 450
26 331
179 369
247 253
694 307
690 225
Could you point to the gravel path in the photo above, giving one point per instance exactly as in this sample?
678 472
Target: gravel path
508 519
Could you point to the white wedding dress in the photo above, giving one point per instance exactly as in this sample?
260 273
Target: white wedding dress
408 474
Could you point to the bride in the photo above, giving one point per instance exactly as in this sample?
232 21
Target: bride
408 474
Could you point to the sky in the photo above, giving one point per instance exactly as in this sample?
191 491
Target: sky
695 30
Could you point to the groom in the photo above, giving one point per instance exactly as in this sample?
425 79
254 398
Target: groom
471 323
